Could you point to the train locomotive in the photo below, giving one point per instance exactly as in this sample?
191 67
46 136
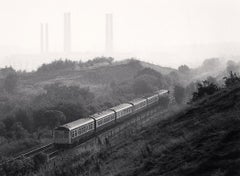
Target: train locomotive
76 131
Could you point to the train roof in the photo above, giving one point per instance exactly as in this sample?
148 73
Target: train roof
102 114
160 92
75 124
137 100
153 95
121 107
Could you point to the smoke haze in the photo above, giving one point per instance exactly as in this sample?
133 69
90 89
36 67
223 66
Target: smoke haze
165 32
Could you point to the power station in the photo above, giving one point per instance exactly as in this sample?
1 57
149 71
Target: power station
109 35
67 33
44 36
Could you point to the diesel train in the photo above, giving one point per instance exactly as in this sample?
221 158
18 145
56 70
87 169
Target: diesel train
73 132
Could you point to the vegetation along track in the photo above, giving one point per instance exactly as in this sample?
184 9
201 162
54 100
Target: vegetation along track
31 153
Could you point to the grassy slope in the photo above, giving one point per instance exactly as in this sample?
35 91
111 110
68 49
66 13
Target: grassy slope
201 140
92 78
163 70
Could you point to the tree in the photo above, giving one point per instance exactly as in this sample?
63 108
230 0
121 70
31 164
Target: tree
211 79
232 80
23 116
54 118
179 94
18 131
10 82
2 129
164 101
141 87
39 160
184 69
210 64
203 89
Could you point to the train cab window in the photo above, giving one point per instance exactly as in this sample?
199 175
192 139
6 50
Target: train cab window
75 132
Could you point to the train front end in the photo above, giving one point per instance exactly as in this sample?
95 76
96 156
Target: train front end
61 136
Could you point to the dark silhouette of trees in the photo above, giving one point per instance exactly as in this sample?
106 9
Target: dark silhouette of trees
21 115
2 129
209 64
164 101
21 166
232 80
203 89
18 131
10 82
141 87
184 69
39 160
179 94
53 118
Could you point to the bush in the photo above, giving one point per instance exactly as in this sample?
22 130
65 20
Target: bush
10 82
232 80
203 89
179 94
39 160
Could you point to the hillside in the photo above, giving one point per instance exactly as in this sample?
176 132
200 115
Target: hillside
96 78
202 140
162 70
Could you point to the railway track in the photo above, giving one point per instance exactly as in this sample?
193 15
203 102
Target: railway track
31 153
50 150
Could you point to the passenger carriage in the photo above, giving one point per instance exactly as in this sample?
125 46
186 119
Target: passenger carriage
73 132
138 104
76 131
152 99
103 119
122 111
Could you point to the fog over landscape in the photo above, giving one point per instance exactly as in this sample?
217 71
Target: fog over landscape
164 32
120 88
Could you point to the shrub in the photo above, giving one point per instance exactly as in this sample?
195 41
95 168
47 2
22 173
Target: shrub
203 89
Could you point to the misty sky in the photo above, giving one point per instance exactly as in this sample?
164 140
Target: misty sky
139 25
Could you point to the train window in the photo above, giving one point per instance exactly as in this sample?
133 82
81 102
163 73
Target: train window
65 134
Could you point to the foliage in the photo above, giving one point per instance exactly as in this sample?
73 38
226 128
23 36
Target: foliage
98 60
204 88
18 131
39 160
232 80
141 87
18 167
164 101
51 118
184 69
179 93
10 82
211 63
57 65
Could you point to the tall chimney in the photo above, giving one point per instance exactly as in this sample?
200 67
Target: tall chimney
41 38
109 34
67 32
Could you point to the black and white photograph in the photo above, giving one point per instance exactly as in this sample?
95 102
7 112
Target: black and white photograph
120 88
